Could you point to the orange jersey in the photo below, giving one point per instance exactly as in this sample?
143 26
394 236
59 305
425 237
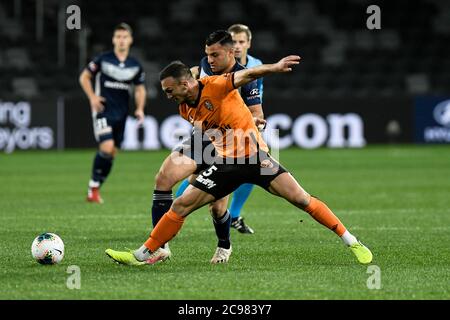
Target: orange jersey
222 114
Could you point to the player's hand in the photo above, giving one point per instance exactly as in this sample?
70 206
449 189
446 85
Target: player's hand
195 71
97 103
286 64
139 114
260 123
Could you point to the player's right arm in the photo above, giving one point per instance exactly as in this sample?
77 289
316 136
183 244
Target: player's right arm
95 101
252 97
245 76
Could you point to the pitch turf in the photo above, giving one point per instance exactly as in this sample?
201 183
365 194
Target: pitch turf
396 199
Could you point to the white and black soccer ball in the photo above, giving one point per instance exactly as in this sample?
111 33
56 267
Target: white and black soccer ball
48 248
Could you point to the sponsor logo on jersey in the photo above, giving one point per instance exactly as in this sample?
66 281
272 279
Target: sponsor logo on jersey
118 73
209 105
254 92
116 85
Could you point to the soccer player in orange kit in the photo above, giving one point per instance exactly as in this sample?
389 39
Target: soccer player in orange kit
214 104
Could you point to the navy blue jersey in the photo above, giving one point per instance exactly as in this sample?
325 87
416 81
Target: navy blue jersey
113 80
250 92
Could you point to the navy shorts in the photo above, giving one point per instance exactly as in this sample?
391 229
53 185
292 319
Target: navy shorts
106 128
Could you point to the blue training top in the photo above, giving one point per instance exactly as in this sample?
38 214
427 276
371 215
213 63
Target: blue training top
253 62
113 80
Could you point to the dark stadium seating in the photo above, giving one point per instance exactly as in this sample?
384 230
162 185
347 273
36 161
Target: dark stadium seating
341 56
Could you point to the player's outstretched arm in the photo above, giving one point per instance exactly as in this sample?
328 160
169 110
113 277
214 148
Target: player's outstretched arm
245 76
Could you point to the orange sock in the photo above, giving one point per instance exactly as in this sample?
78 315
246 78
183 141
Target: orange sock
322 214
166 228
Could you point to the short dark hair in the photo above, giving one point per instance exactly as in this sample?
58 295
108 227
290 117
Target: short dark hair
222 37
175 69
123 26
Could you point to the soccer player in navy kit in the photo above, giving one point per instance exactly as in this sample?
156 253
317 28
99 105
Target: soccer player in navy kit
220 59
242 37
113 74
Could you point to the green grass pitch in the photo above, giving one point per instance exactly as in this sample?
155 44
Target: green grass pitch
396 199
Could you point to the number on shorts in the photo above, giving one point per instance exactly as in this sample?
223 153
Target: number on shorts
101 124
208 172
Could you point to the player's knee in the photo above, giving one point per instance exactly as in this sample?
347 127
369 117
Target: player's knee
181 206
108 148
217 209
115 151
300 199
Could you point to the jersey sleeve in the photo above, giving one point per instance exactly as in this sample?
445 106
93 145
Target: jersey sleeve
94 65
260 88
226 81
253 62
220 85
251 93
140 77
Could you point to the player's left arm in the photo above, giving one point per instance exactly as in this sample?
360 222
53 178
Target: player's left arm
251 94
252 98
257 111
245 76
140 96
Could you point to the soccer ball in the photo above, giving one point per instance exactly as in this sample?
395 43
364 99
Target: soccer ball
48 248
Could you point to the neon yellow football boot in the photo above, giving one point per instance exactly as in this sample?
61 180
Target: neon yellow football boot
124 257
362 253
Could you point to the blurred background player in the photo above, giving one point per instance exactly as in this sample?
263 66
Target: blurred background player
242 40
216 64
112 74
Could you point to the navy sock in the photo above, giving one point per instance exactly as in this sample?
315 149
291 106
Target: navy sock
222 227
162 201
101 167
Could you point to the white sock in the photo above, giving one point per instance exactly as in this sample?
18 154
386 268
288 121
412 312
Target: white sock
94 184
348 238
142 253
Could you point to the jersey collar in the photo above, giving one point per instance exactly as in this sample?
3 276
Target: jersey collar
200 89
236 67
